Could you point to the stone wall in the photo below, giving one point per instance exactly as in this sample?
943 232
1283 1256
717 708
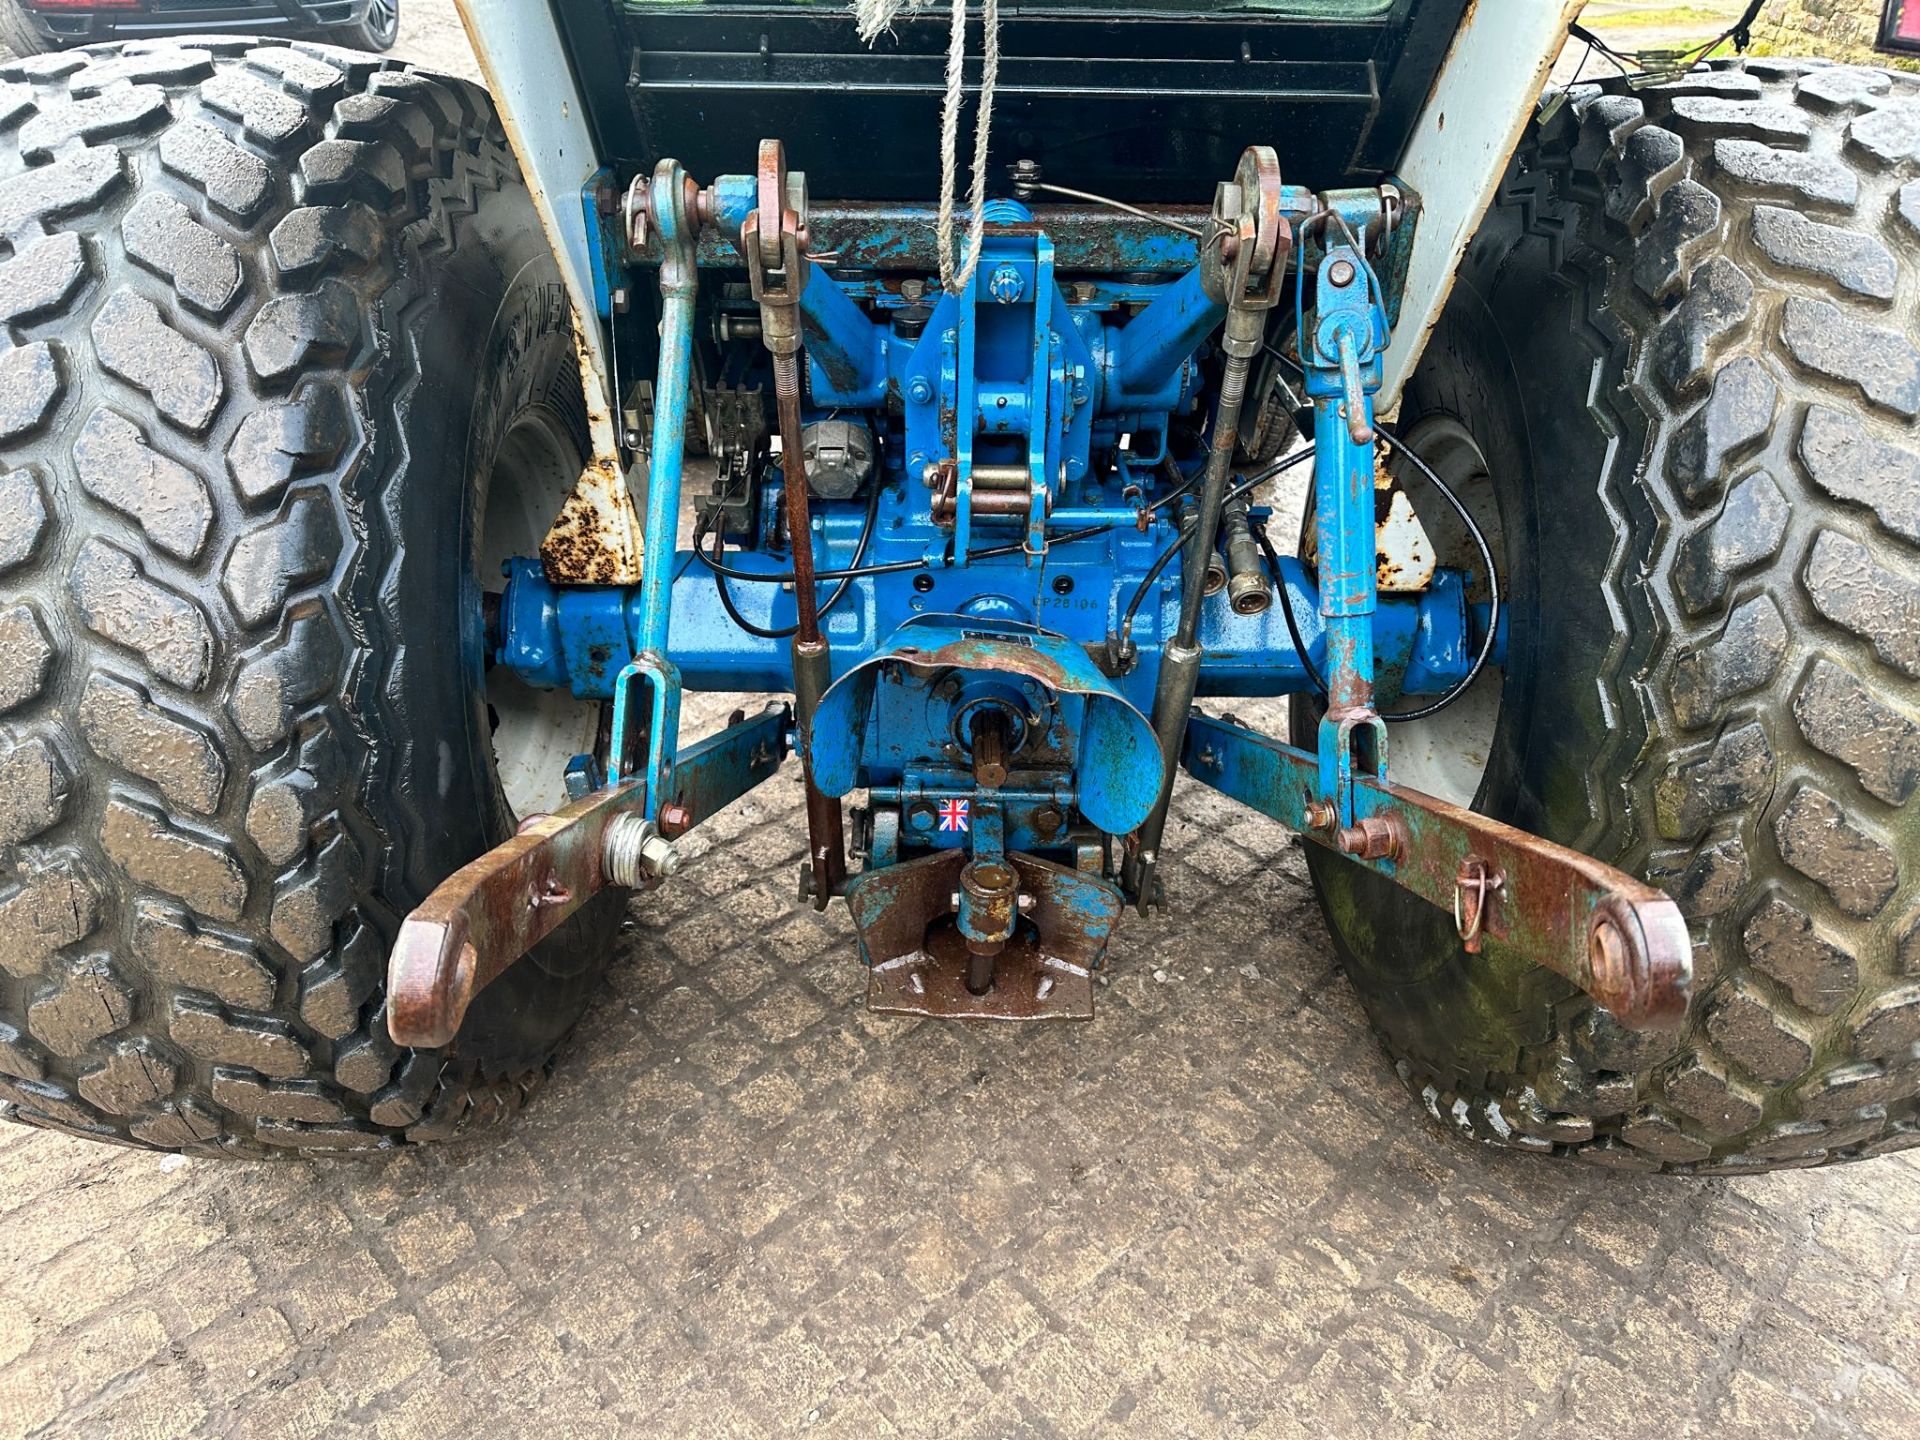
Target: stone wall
1832 29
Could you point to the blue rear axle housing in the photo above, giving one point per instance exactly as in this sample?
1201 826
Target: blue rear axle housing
1000 472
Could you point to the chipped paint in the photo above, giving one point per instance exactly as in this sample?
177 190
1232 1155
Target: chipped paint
597 538
1487 90
1402 552
597 535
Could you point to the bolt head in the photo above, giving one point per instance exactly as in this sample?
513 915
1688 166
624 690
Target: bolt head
1340 273
920 390
1005 284
659 856
582 776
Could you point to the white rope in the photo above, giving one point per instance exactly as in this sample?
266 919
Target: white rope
875 16
955 280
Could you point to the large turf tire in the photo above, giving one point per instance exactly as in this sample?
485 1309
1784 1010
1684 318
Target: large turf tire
271 311
1688 341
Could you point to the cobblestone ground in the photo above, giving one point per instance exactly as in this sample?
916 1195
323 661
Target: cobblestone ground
745 1207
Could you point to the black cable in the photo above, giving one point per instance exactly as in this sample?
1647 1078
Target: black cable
1146 583
787 632
1285 462
1161 561
895 567
1460 686
1182 485
1286 607
733 611
1465 682
1594 42
1740 33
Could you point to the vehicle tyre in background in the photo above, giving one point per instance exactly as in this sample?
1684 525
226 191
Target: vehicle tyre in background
18 33
377 30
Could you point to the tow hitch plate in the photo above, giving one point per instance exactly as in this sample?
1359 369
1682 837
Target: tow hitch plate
923 964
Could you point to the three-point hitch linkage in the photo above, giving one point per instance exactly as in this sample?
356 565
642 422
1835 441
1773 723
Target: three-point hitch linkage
1031 506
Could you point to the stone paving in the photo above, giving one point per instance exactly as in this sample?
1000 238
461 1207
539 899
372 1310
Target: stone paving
744 1207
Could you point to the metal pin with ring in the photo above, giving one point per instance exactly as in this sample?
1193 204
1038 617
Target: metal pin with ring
1470 921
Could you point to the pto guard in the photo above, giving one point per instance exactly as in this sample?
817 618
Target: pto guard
1116 767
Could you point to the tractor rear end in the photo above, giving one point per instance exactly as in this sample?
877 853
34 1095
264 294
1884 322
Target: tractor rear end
1001 484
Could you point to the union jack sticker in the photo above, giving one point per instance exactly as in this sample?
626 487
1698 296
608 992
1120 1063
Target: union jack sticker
953 814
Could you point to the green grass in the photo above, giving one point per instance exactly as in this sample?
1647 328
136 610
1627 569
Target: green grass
1662 17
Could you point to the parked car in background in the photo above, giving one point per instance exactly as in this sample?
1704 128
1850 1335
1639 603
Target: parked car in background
28 27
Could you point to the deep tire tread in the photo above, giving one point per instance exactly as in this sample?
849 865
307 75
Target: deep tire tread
190 692
1766 739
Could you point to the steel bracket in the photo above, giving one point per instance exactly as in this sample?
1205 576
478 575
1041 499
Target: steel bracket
918 953
1619 939
488 914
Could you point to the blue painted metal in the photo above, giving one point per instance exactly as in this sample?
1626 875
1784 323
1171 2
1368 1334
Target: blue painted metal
846 352
904 711
1616 937
600 246
714 772
1152 351
577 637
1062 390
1031 817
1341 358
650 678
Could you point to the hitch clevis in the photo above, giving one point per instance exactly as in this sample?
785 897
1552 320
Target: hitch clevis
996 541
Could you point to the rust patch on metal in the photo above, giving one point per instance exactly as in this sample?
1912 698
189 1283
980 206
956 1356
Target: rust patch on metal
489 913
597 538
584 546
920 962
1618 938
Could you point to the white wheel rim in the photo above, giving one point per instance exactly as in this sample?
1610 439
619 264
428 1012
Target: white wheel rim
535 731
1447 755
